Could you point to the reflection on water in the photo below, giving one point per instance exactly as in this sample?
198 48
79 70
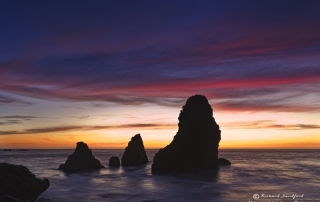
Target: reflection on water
252 171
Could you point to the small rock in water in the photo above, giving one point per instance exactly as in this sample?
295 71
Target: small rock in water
223 161
134 153
81 159
114 161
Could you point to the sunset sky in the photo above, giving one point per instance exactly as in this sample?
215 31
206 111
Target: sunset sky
103 71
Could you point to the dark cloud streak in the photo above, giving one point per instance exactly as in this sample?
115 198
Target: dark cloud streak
88 128
268 124
259 124
18 117
9 100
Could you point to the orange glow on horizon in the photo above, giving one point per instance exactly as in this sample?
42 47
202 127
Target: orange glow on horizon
70 143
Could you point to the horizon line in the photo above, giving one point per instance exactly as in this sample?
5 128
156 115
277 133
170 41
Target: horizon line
268 148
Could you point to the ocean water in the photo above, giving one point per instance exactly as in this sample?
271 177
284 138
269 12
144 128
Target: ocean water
263 172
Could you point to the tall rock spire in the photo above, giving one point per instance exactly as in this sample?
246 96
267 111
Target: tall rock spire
134 153
195 146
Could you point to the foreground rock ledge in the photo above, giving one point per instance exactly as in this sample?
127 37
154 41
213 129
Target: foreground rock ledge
17 183
134 153
81 160
195 146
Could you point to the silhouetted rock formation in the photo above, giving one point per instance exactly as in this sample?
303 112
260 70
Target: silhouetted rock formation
23 150
81 159
6 150
114 161
134 153
195 146
223 161
17 183
8 198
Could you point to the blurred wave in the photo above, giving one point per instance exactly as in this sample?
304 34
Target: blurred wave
252 171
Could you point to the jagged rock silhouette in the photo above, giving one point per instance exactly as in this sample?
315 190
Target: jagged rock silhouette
195 146
81 159
17 183
134 153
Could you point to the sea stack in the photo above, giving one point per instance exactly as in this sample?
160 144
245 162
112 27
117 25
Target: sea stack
81 159
114 161
134 153
195 146
17 183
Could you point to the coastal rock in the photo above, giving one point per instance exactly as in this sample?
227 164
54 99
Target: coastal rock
17 183
134 153
81 159
8 198
114 161
195 146
223 161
